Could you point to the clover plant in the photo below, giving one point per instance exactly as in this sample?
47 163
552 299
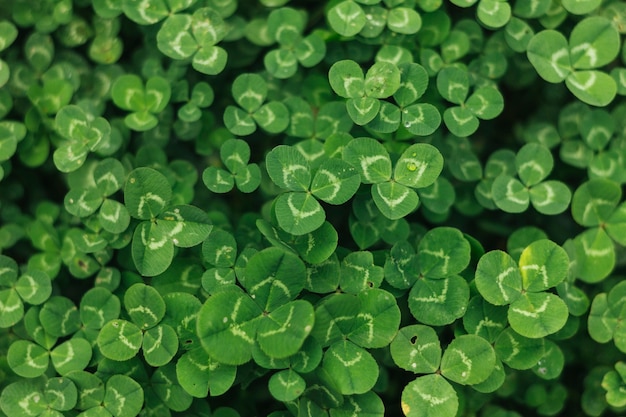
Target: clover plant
312 208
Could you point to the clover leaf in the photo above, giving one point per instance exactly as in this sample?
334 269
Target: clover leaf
144 102
532 312
298 211
286 26
593 43
394 195
147 194
484 103
195 36
364 92
250 92
533 162
235 154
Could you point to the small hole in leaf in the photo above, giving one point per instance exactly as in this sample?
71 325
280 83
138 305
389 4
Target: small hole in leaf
414 340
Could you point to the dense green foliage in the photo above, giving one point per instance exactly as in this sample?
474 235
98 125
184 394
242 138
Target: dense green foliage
312 208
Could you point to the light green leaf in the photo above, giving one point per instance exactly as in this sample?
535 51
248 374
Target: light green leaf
23 398
468 360
509 194
346 18
352 368
227 324
27 359
394 200
438 302
249 91
114 216
382 80
281 63
144 305
418 166
548 51
460 121
370 158
288 168
416 348
453 84
146 193
299 213
363 110
152 249
282 332
167 387
404 20
594 201
592 87
536 315
443 251
377 323
550 197
119 340
319 245
335 181
35 287
494 13
123 396
286 385
72 355
484 319
160 344
486 103
517 351
429 396
595 255
59 316
421 119
543 264
346 79
498 278
594 42
273 117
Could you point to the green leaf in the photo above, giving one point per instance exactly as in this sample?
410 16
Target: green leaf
595 255
119 340
238 122
536 315
377 323
363 110
346 79
282 332
509 194
249 91
286 385
486 103
594 42
288 168
316 247
72 355
27 359
160 344
592 87
83 202
152 249
174 39
273 277
352 368
416 348
226 326
460 121
494 13
429 396
335 317
335 181
273 117
421 119
144 305
23 397
146 193
548 52
281 63
550 197
543 264
61 394
346 18
580 7
382 80
413 83
218 180
594 201
186 225
484 319
468 360
418 166
59 316
128 92
404 20
453 84
166 386
299 213
443 251
370 158
517 351
438 302
34 287
498 278
394 200
123 396
358 272
113 216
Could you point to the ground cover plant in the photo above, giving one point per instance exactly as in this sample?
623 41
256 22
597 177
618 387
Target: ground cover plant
312 208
